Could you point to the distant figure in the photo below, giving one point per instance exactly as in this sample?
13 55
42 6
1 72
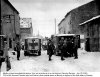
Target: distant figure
18 48
50 48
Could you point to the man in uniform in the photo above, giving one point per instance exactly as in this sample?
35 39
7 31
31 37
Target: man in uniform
50 49
18 48
61 48
75 48
64 48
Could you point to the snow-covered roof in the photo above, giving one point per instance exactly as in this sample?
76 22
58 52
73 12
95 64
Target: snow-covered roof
90 20
32 37
2 35
65 35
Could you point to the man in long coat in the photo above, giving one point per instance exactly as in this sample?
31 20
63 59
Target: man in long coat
61 48
50 47
18 48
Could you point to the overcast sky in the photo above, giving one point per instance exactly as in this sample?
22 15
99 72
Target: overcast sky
44 12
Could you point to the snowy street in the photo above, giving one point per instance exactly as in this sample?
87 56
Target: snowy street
87 62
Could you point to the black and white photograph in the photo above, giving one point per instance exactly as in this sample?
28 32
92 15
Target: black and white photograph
50 38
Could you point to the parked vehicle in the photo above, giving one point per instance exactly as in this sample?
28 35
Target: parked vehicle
32 46
44 45
69 37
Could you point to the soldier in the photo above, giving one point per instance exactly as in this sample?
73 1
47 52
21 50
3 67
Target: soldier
64 48
61 48
75 49
18 48
75 52
50 49
68 47
71 48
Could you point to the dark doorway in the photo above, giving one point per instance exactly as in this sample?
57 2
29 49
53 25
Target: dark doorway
10 43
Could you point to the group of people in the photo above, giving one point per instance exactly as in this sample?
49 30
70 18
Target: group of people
65 46
68 48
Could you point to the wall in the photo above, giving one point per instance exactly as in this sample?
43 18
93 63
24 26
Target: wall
64 26
10 26
81 14
26 28
77 16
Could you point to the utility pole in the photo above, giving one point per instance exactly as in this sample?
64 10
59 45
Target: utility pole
38 32
55 25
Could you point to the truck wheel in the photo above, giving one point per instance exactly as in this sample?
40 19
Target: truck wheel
39 53
24 53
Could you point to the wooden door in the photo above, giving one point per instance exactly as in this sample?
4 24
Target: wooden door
94 37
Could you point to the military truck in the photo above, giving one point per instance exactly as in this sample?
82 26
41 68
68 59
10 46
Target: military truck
32 46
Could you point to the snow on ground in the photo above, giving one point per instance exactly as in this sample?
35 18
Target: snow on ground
87 62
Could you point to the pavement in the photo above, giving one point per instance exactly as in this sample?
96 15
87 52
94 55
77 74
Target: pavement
86 62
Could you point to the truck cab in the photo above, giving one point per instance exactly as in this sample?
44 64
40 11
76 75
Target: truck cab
32 46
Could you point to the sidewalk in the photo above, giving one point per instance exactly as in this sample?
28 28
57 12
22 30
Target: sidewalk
13 57
89 61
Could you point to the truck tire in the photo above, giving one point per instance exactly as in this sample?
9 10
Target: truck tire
24 53
39 53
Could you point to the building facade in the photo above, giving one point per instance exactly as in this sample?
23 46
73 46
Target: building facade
70 24
91 30
63 26
26 28
78 15
10 23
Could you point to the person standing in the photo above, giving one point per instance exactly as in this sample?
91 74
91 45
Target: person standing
75 52
64 49
50 49
7 57
76 48
61 48
18 48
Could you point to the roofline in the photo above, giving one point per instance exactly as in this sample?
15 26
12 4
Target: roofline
11 5
25 27
61 21
2 35
93 18
32 37
64 17
73 10
65 35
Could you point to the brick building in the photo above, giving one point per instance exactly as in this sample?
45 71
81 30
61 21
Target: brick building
26 28
10 26
70 24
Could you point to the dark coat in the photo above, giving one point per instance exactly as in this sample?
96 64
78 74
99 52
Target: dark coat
18 47
50 48
60 45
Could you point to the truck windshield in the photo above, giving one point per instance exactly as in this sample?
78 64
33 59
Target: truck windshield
33 43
